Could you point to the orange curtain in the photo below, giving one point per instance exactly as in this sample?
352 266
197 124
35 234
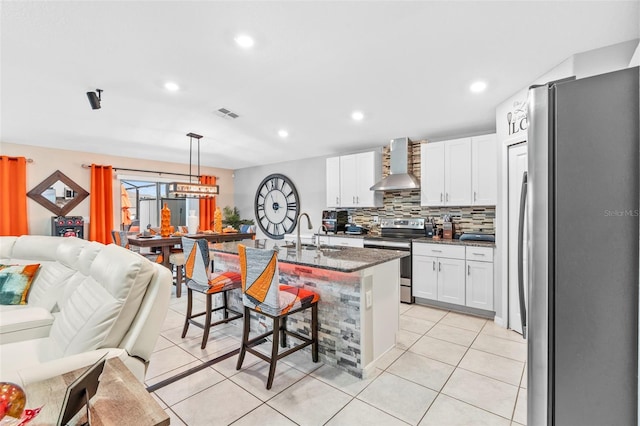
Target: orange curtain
13 196
101 207
207 205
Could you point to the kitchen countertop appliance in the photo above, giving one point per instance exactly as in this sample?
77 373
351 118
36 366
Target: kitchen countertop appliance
580 202
396 234
335 220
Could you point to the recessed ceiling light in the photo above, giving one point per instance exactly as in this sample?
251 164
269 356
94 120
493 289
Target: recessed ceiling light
283 133
244 41
357 115
171 86
478 86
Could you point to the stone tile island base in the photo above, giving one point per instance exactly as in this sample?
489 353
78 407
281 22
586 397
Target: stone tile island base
353 332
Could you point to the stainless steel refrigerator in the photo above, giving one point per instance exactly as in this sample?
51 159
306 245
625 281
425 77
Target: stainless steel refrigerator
581 204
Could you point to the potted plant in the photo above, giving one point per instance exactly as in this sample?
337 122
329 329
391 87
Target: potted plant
231 217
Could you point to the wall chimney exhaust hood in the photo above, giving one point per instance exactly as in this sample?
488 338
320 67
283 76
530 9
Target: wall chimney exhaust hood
399 176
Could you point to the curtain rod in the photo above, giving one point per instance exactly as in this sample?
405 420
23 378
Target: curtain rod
88 166
28 160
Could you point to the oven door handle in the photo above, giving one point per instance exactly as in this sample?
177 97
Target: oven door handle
388 245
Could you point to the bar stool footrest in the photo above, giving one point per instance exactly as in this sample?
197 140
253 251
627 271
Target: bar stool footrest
236 316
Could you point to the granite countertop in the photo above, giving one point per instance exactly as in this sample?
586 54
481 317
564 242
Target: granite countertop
342 259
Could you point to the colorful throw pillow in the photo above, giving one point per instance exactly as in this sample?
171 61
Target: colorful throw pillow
15 282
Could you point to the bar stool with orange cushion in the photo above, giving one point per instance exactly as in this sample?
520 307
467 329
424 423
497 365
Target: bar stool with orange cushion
263 293
200 278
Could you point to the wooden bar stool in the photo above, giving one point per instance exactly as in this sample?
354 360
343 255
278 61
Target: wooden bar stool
200 278
176 259
263 293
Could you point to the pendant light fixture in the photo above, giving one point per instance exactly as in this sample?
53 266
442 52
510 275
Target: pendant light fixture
192 190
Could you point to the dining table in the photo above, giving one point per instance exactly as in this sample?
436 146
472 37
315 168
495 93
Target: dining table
165 244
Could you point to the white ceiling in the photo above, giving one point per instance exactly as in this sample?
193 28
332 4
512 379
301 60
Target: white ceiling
406 65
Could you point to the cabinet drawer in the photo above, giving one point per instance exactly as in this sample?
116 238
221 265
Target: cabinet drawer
483 254
347 242
439 250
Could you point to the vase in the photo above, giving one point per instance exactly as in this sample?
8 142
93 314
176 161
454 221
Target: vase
217 221
192 222
165 221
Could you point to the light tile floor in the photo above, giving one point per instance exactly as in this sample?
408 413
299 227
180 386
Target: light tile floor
446 369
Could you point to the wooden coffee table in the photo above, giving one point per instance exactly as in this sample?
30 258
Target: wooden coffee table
121 399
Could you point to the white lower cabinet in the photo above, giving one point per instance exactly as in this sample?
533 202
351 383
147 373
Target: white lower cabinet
346 241
425 277
454 274
332 240
480 284
451 282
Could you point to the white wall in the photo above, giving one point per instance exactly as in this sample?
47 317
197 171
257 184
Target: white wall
48 160
580 65
307 175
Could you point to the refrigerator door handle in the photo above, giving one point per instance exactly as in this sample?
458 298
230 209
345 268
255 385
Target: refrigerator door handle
523 307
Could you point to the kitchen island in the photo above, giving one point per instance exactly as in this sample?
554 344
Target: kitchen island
358 312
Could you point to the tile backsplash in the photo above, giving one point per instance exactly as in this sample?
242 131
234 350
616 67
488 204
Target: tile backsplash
406 204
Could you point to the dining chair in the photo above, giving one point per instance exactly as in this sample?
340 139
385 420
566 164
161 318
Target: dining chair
200 278
120 238
262 293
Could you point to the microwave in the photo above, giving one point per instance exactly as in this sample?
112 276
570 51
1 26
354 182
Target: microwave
335 220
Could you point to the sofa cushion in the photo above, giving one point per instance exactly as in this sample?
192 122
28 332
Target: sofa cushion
48 286
101 308
78 254
6 247
35 247
24 322
80 261
15 282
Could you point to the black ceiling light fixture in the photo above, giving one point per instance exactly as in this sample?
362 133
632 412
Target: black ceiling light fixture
95 98
197 189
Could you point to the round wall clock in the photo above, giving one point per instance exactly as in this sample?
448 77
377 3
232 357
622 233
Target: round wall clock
277 206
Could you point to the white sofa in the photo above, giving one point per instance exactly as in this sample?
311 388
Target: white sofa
86 299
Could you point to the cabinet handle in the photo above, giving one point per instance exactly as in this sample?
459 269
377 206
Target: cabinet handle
337 201
434 265
441 197
447 196
478 254
357 199
439 266
474 196
436 251
468 269
353 199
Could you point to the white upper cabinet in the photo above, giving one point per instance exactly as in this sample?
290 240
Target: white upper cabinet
432 174
485 170
333 182
348 186
459 172
369 166
348 180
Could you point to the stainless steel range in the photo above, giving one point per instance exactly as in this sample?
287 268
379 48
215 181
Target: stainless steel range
396 234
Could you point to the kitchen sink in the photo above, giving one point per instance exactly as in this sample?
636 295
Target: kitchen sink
313 247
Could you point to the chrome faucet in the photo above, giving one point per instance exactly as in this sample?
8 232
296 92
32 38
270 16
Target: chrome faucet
321 228
298 243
